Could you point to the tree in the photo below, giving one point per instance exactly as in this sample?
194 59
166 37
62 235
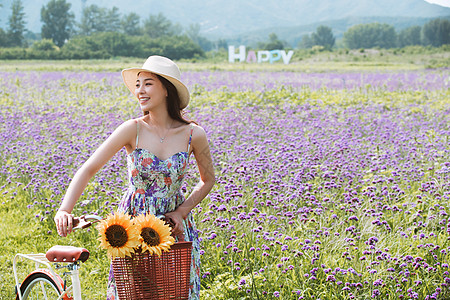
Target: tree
274 43
109 44
90 46
323 37
99 19
158 26
387 37
44 45
92 20
193 32
57 21
175 47
112 20
130 24
436 32
409 36
222 44
306 42
3 38
370 36
16 28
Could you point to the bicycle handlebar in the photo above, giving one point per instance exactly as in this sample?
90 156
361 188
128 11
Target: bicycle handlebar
85 221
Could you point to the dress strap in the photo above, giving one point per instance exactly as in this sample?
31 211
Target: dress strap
137 134
190 138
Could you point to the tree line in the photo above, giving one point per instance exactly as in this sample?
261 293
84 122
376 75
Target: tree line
376 35
373 35
105 33
101 33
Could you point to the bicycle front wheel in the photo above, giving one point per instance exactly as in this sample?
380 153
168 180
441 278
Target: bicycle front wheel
39 286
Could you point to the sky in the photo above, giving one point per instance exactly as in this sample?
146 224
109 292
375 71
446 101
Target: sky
440 2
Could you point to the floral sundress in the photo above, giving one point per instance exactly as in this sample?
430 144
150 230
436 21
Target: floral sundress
155 187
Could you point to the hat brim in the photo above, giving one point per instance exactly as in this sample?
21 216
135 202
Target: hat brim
130 75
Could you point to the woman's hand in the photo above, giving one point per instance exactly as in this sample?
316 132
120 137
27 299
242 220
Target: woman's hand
177 219
64 222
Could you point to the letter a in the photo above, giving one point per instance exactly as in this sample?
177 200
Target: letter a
251 56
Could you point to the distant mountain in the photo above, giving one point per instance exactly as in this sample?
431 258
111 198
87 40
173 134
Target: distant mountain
231 19
293 34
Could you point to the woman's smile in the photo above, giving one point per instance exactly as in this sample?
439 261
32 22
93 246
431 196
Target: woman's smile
143 100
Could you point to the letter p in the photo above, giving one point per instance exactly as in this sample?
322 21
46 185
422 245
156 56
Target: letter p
274 56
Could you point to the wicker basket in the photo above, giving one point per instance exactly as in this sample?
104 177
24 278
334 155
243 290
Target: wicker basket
144 276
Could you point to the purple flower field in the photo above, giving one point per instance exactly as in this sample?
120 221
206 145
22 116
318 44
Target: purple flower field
343 200
243 81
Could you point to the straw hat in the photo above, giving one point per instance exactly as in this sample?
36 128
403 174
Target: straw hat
161 66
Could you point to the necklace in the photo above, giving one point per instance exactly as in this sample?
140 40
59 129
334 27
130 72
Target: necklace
161 139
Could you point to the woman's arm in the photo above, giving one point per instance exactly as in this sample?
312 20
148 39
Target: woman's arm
200 148
121 137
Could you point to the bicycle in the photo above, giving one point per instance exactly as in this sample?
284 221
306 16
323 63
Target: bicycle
45 283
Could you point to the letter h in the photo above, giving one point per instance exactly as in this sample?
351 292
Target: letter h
232 56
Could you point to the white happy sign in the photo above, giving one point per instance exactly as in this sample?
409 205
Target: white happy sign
259 56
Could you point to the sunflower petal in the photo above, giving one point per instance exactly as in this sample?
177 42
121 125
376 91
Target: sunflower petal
123 220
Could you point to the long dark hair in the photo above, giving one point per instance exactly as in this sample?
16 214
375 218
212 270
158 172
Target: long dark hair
173 101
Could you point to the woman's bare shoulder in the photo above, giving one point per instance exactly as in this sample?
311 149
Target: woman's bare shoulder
199 136
131 123
128 127
198 130
186 127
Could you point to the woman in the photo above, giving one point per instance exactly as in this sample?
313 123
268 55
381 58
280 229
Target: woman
158 145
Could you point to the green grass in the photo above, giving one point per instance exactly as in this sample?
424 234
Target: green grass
411 58
21 232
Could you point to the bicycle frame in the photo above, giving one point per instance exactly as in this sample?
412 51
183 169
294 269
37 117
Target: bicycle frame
73 267
39 260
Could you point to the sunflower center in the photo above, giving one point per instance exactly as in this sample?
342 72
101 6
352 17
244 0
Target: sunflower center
150 236
116 236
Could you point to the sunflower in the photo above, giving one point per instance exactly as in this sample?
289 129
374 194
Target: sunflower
154 234
118 235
